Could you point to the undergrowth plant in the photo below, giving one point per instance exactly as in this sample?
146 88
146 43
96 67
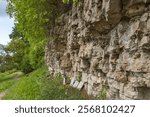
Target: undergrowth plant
70 1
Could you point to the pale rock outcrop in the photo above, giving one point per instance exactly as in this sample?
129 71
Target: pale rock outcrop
104 43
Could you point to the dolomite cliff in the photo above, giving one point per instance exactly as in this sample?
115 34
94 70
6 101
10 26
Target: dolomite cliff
104 44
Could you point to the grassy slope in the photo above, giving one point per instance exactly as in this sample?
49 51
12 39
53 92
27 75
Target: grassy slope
8 79
39 85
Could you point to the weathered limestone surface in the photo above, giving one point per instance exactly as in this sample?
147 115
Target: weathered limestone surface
104 43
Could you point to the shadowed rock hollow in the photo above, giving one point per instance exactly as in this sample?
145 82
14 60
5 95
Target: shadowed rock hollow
104 44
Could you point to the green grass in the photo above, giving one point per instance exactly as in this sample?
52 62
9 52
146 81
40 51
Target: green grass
39 85
6 73
28 87
8 79
53 89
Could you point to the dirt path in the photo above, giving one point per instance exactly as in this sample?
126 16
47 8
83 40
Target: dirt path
18 74
2 94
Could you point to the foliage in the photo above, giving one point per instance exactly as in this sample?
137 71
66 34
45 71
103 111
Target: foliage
30 17
29 36
36 55
70 1
53 89
5 59
19 49
103 93
33 19
25 65
40 85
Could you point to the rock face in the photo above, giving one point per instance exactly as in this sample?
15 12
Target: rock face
104 43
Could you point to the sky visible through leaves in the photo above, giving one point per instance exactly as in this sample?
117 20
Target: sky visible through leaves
6 23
